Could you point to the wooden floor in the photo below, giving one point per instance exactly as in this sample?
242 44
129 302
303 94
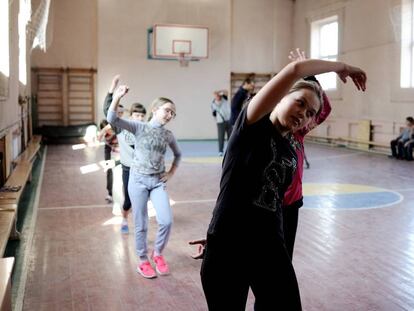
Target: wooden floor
349 258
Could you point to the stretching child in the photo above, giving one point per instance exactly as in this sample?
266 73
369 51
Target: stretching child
108 135
148 177
257 169
293 199
126 142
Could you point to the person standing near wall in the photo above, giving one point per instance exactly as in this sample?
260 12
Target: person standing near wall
239 99
220 109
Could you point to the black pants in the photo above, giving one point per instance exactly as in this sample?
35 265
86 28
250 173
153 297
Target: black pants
223 128
109 174
290 224
125 180
230 268
397 148
408 152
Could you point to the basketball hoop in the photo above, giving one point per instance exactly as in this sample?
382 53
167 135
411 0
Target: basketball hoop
183 59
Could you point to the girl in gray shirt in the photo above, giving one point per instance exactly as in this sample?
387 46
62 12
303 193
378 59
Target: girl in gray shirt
148 177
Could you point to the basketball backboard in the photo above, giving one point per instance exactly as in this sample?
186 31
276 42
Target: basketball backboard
178 42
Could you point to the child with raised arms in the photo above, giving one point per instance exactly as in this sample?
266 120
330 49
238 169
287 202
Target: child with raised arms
148 178
245 242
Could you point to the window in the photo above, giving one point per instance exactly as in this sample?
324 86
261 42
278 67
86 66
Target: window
24 17
4 51
324 45
407 44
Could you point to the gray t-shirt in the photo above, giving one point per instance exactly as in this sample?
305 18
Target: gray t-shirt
126 141
151 141
222 109
406 134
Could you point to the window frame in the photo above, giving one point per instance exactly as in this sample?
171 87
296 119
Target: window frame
407 46
316 31
334 11
23 20
4 79
400 95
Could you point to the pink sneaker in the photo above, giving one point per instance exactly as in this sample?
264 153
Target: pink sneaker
160 265
146 270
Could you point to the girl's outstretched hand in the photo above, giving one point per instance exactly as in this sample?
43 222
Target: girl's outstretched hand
357 75
114 83
121 91
201 247
297 55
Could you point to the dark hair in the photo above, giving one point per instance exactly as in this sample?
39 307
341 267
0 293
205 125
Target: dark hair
103 123
137 107
247 81
410 119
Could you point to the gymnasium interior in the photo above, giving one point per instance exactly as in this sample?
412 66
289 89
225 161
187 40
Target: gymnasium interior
61 241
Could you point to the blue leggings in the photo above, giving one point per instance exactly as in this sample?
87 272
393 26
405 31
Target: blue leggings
140 188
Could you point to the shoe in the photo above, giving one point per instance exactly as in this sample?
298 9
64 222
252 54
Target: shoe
146 270
160 265
391 157
109 198
124 227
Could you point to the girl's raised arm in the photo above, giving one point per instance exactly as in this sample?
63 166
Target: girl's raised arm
271 94
118 94
130 125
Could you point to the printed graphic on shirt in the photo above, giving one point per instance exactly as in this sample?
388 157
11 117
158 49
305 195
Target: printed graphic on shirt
128 137
296 144
274 176
151 149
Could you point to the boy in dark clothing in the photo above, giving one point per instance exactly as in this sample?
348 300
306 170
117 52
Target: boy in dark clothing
240 98
398 144
111 145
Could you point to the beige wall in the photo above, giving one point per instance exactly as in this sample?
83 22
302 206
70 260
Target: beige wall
72 35
261 35
245 36
123 49
241 40
370 39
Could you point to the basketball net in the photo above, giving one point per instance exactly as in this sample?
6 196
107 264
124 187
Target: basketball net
183 59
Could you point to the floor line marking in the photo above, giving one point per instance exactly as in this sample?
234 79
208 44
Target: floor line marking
76 207
110 206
